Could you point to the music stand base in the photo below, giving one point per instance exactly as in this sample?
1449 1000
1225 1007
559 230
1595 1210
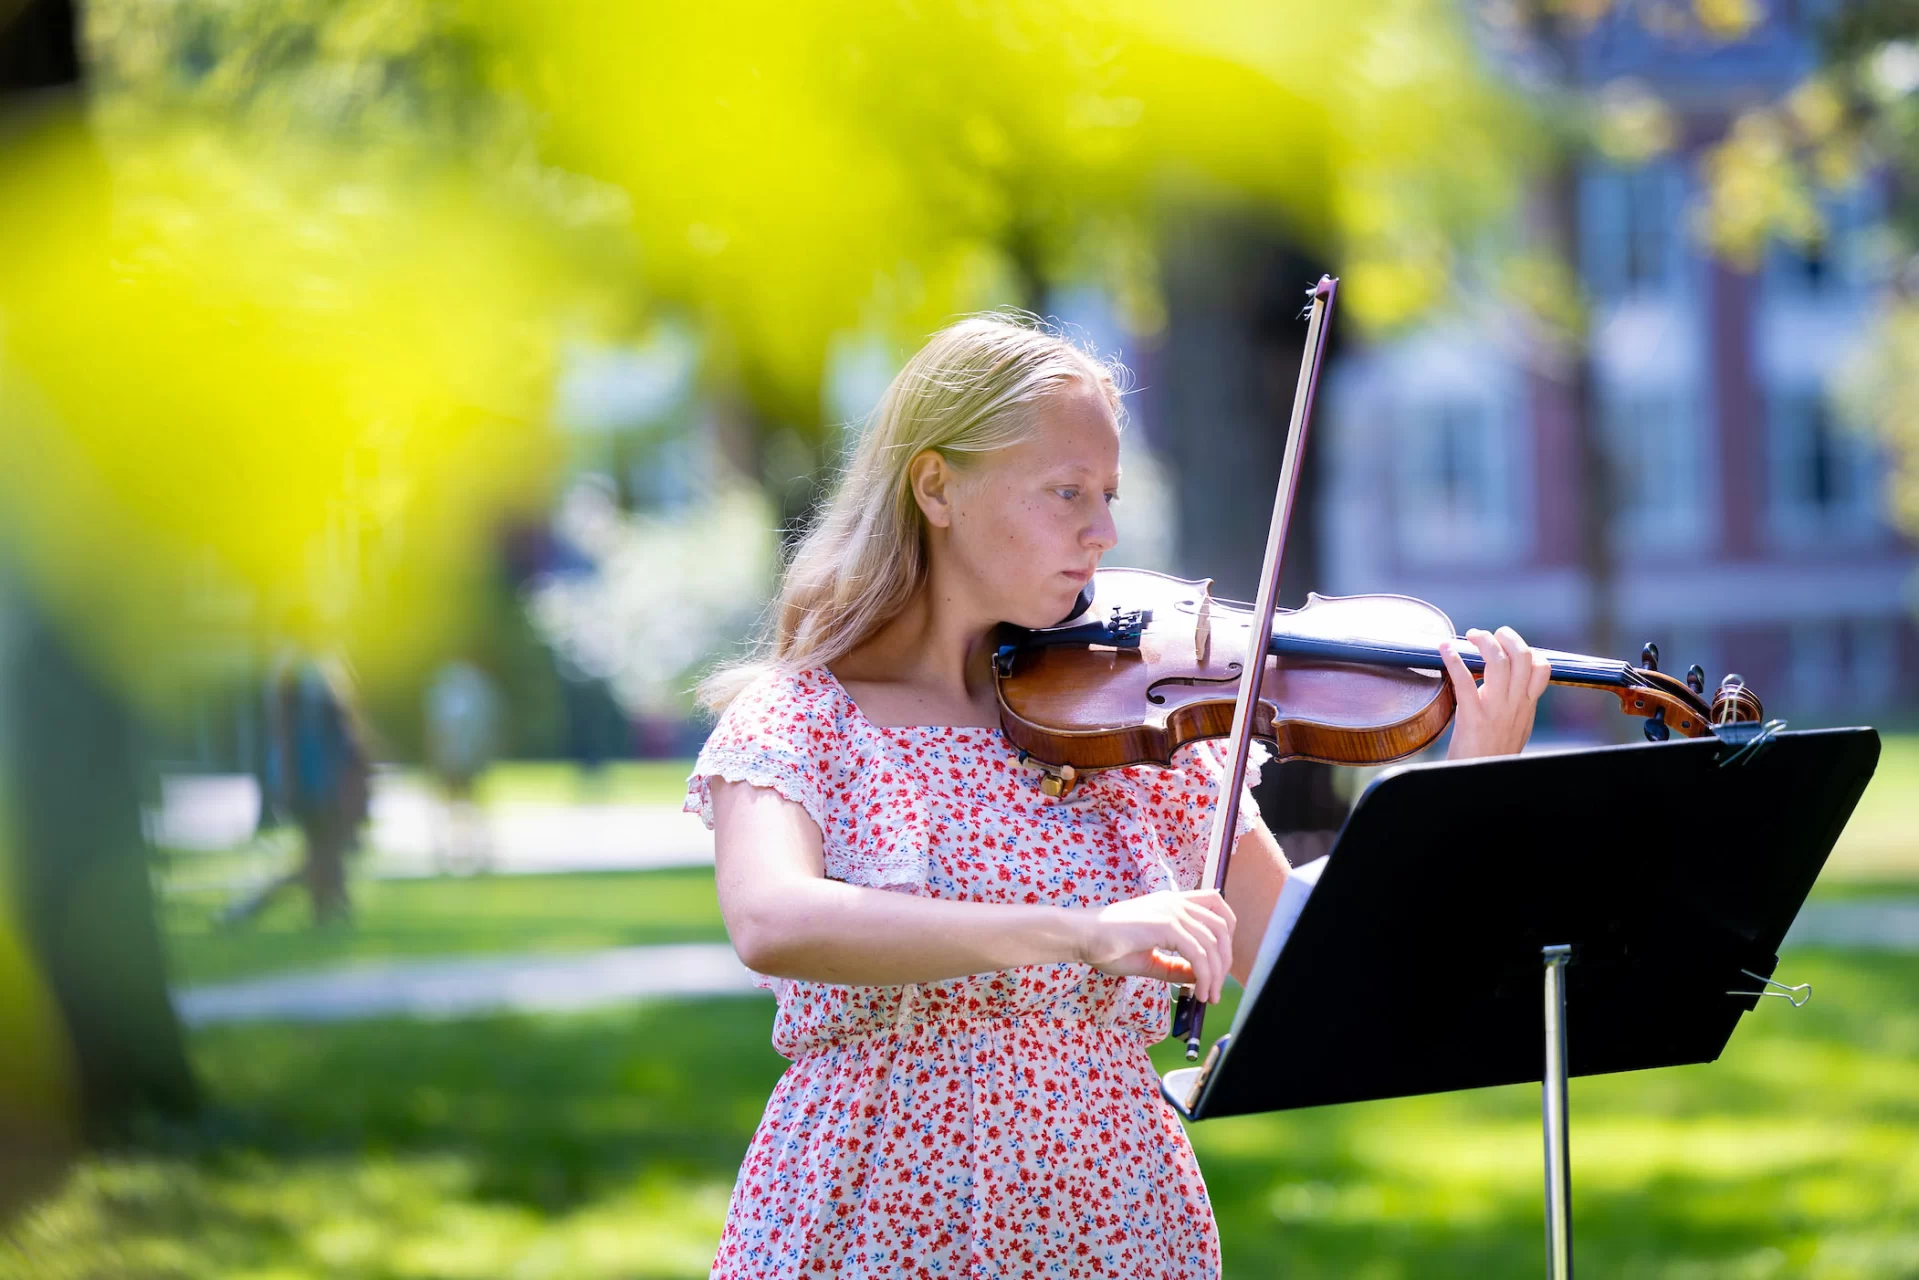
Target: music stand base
1552 1089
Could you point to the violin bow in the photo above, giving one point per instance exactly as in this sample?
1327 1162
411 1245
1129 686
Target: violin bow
1192 1013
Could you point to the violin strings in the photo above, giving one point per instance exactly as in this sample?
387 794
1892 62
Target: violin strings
1380 653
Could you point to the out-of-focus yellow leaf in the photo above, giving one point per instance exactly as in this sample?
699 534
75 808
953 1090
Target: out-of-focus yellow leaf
299 379
1878 391
1755 190
1816 109
1728 19
1631 123
791 167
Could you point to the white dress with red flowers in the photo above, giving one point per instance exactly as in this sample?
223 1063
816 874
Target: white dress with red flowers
1005 1124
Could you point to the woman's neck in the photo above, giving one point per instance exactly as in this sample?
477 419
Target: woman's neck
926 665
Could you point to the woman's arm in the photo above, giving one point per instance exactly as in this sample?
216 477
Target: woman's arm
1253 880
788 920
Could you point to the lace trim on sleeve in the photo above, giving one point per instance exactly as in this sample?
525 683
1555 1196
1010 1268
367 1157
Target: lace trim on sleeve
902 868
744 762
1256 759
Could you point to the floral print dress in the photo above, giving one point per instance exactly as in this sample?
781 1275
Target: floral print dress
1003 1124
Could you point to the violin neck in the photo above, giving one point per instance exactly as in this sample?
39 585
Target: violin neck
1568 668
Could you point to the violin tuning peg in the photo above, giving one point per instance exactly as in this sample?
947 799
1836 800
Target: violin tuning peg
1696 678
1656 727
1649 656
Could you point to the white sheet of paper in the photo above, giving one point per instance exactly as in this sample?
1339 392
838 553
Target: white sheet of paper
1292 900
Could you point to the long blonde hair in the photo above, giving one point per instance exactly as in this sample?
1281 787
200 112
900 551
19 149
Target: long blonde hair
970 390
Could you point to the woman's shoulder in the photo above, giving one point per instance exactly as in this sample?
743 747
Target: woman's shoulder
783 730
804 701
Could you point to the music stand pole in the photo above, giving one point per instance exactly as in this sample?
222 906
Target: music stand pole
1552 1089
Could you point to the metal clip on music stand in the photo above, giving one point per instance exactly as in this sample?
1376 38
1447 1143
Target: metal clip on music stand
1653 882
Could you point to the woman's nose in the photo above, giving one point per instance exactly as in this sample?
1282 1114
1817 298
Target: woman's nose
1102 533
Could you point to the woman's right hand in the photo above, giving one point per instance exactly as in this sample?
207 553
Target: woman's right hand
1174 935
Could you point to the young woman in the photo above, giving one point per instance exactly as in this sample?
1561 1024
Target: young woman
968 971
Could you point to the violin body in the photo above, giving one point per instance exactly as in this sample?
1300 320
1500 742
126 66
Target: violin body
1347 679
1103 707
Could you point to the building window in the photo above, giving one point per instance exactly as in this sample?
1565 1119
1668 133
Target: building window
1822 479
1813 662
1453 492
1632 238
1836 266
1875 662
1654 442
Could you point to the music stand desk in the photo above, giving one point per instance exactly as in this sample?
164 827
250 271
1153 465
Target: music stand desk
1634 887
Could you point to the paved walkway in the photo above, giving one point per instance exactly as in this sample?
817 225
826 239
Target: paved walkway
456 988
215 812
452 988
1881 924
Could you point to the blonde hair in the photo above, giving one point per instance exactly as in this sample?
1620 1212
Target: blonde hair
970 390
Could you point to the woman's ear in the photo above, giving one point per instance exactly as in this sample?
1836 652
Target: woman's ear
932 479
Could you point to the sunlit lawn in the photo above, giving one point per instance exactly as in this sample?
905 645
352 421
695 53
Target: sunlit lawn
1879 854
1881 841
560 782
604 1145
396 919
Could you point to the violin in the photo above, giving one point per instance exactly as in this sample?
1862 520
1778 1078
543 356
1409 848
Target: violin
1351 680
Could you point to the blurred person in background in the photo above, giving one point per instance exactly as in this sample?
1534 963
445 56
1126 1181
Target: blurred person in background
968 971
462 726
320 775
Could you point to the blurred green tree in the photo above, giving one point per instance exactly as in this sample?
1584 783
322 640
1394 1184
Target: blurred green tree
92 1040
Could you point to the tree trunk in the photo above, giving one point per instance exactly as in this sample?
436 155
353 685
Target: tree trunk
78 880
1234 295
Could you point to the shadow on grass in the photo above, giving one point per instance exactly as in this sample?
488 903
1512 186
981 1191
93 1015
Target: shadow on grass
439 917
549 1112
604 1145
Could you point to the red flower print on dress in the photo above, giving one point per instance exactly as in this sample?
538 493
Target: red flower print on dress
993 1125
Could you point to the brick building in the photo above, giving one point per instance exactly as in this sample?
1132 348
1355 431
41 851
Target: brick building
1750 531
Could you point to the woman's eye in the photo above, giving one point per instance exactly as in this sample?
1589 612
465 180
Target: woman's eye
1068 494
1111 498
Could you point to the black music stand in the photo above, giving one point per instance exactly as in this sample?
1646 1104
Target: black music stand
1649 886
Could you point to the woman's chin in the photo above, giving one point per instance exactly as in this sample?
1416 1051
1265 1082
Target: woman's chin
1045 604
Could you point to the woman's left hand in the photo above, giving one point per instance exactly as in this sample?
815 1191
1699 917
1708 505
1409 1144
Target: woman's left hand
1495 716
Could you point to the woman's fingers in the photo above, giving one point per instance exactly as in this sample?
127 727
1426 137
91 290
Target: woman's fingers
1498 672
1542 675
1519 657
1173 935
1498 719
1202 948
1464 690
1198 956
1167 966
1212 908
1215 901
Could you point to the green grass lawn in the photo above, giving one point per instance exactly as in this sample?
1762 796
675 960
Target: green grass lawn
560 782
1881 842
396 919
1877 856
604 1145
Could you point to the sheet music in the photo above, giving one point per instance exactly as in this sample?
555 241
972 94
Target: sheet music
1279 926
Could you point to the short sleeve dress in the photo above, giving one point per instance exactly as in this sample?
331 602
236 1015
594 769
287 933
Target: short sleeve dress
1004 1124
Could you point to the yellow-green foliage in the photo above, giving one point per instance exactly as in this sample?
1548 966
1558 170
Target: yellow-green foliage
1881 393
284 341
796 170
276 370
